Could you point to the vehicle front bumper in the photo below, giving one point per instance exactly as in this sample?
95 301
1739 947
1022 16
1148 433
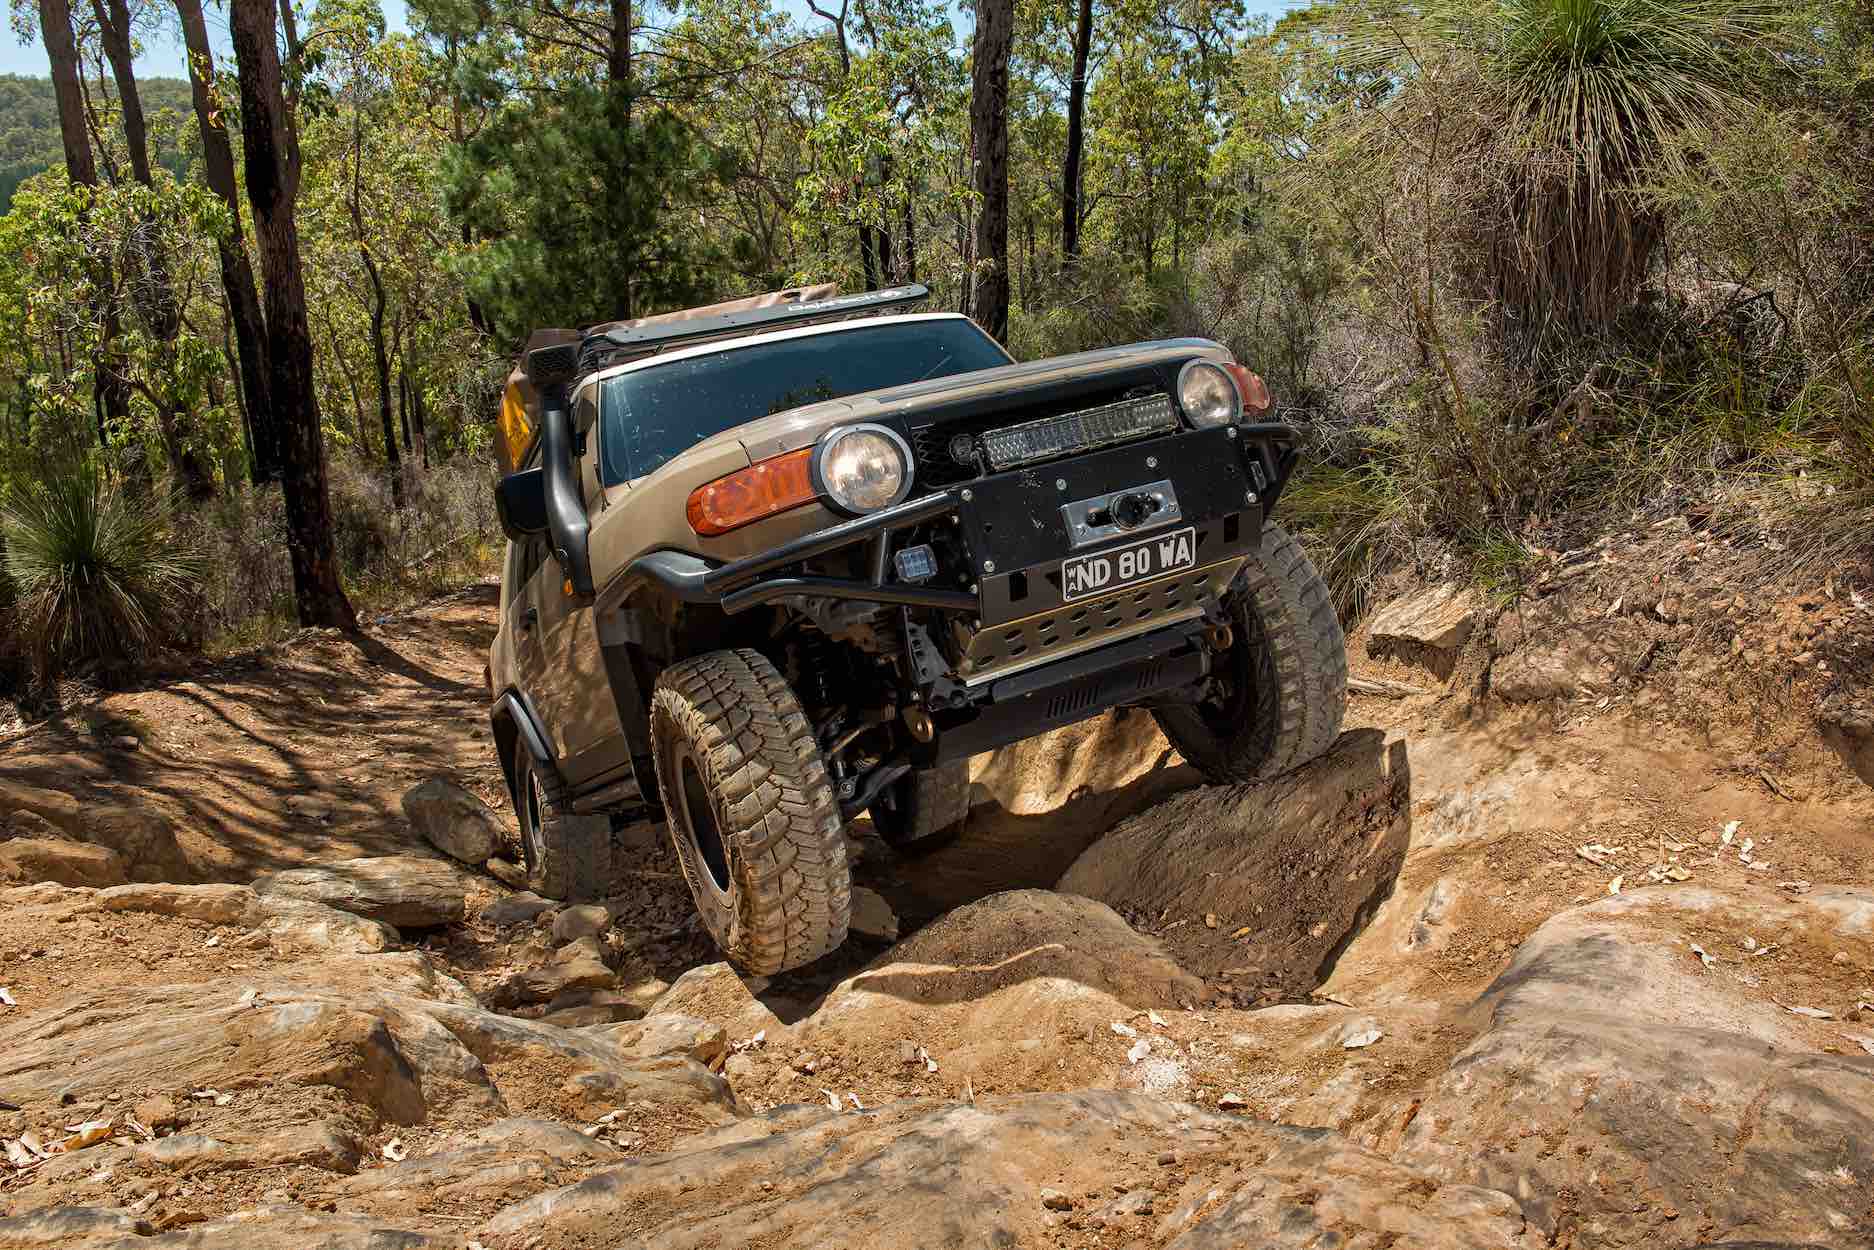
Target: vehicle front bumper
1235 470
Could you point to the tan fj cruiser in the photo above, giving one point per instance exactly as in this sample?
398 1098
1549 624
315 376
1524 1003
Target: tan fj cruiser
778 562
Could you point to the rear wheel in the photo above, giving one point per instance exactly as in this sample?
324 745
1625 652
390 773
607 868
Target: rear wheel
923 804
567 856
750 810
1277 696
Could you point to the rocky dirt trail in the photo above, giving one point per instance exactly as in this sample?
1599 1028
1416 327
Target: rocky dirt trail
1568 942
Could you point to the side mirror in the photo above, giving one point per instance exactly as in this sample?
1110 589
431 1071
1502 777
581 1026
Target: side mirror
521 503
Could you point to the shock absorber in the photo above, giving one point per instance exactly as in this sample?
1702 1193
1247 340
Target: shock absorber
817 657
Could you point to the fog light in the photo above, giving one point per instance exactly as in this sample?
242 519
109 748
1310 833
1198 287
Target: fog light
916 564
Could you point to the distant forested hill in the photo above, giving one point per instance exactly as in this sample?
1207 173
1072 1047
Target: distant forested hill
29 127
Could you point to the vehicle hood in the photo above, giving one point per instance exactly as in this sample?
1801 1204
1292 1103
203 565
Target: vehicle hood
1005 385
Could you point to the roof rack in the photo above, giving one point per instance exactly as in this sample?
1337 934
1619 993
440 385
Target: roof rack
611 345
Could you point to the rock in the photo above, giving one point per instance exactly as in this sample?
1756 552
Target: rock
25 860
309 806
872 916
210 904
581 920
64 1227
402 890
142 835
669 1034
202 1035
159 1113
1055 1200
288 1227
319 1145
984 973
576 966
981 1169
580 1008
522 908
717 993
294 925
1428 628
1431 914
601 1076
452 820
507 872
514 1152
1304 859
195 1153
1615 1064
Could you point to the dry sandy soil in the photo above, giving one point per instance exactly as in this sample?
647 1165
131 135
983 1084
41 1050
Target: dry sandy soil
1593 967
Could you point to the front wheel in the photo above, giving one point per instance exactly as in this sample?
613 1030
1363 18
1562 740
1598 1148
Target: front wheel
568 856
924 804
1276 698
750 811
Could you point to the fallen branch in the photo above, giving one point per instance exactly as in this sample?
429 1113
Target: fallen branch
1384 689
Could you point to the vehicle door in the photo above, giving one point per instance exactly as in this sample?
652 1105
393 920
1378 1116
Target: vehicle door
575 693
520 619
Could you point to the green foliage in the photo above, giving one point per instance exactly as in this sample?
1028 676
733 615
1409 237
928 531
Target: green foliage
576 199
94 574
1547 120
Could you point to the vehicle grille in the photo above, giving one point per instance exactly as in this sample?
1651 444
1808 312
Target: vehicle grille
1003 649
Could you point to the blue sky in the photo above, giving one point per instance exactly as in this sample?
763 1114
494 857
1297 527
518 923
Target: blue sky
162 53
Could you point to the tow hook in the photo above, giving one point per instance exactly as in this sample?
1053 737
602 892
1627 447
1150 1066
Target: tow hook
1219 637
918 721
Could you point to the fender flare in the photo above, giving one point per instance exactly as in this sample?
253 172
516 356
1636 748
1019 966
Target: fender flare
517 710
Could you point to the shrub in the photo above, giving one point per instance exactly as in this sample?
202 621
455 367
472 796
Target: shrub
95 576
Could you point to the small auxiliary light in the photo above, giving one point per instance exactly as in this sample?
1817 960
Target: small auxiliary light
916 564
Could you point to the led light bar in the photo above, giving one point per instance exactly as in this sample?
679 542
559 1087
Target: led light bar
1079 431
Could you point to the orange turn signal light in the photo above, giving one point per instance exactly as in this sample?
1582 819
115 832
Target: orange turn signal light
1250 388
747 495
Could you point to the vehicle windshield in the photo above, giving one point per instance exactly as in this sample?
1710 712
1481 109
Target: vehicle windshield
659 411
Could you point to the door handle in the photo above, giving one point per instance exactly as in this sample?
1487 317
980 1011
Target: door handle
529 619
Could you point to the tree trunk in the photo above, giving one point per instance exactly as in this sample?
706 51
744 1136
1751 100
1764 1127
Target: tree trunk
155 298
866 263
422 422
271 159
55 27
989 135
1076 135
380 348
237 272
910 238
111 396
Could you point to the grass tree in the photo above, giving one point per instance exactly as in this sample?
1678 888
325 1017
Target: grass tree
92 574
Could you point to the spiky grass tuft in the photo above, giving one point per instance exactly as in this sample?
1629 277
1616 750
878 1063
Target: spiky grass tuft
94 576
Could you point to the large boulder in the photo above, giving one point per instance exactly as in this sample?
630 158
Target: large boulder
142 836
1428 628
1014 990
453 821
25 860
1015 1171
407 891
1300 863
1633 1095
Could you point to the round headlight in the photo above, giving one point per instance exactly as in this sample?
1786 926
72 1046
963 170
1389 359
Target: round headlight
1207 395
862 468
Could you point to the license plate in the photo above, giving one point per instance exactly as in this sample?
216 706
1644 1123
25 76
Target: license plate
1118 567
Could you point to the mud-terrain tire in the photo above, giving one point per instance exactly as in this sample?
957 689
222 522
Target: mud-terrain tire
923 805
1282 684
750 811
568 856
